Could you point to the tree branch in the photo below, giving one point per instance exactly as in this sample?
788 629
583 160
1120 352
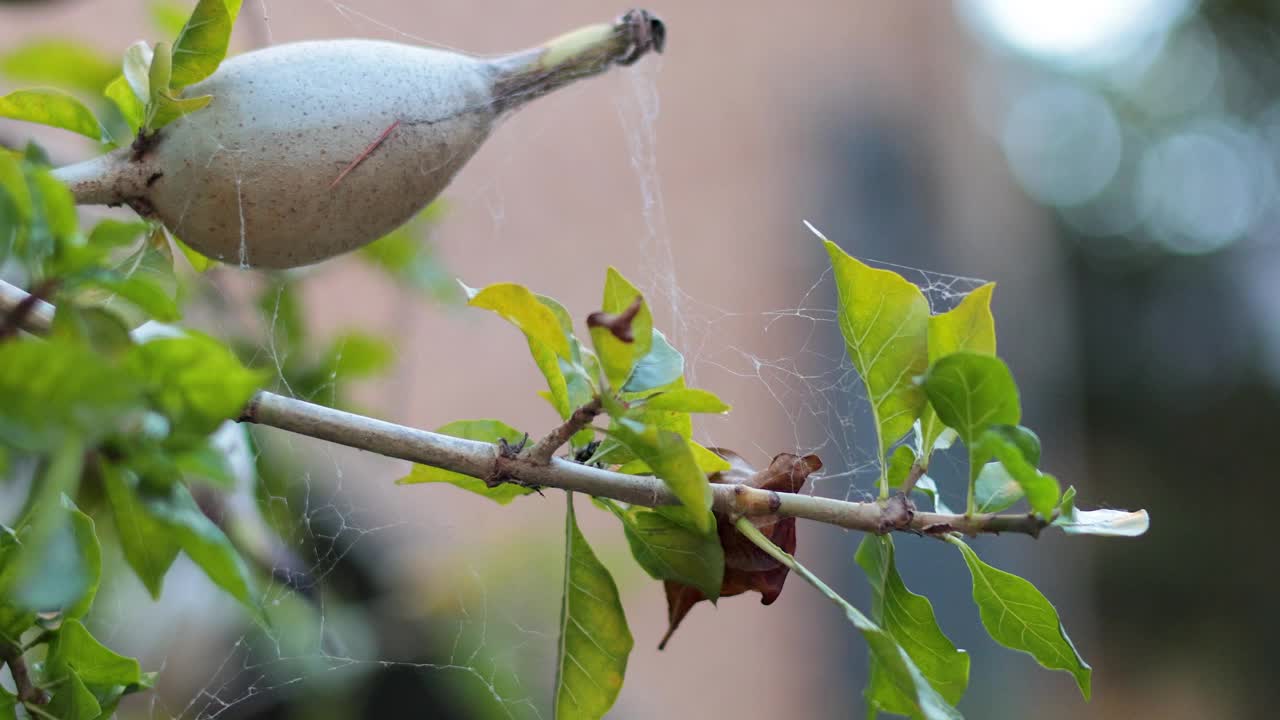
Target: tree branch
28 692
916 472
542 451
483 460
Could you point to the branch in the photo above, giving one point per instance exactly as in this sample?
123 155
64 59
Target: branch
913 476
28 692
547 446
483 460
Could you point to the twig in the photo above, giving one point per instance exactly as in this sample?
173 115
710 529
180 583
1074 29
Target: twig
481 460
28 692
546 447
913 476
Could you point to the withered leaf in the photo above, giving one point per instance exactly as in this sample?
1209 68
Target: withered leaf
747 567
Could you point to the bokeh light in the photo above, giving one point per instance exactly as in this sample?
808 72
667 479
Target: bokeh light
1080 33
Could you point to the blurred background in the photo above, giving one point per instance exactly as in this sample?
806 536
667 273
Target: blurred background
1111 165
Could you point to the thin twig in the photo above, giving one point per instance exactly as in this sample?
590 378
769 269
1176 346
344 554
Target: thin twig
913 476
28 692
542 451
482 460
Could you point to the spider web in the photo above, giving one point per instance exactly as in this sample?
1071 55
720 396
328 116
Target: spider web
367 592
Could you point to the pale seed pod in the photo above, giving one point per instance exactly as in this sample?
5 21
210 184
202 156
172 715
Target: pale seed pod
313 149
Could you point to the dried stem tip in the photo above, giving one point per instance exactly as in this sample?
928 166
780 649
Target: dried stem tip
577 54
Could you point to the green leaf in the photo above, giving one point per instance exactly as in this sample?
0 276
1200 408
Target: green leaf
199 262
669 551
618 357
409 259
169 108
13 183
280 305
137 70
61 63
708 462
517 305
55 108
90 558
131 108
661 366
74 649
971 392
203 542
148 546
885 323
1023 439
140 290
1018 616
202 44
909 619
996 490
900 463
357 355
196 381
899 669
485 431
209 463
619 294
58 565
927 486
73 701
160 72
686 400
8 705
668 454
152 259
1018 449
111 233
59 206
594 639
57 388
968 326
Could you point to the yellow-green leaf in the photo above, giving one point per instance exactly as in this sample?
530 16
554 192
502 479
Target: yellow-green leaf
909 618
137 70
1018 616
131 109
968 326
168 108
618 357
594 639
619 293
61 63
54 108
687 400
668 454
486 431
885 323
202 44
517 305
669 551
199 262
161 70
